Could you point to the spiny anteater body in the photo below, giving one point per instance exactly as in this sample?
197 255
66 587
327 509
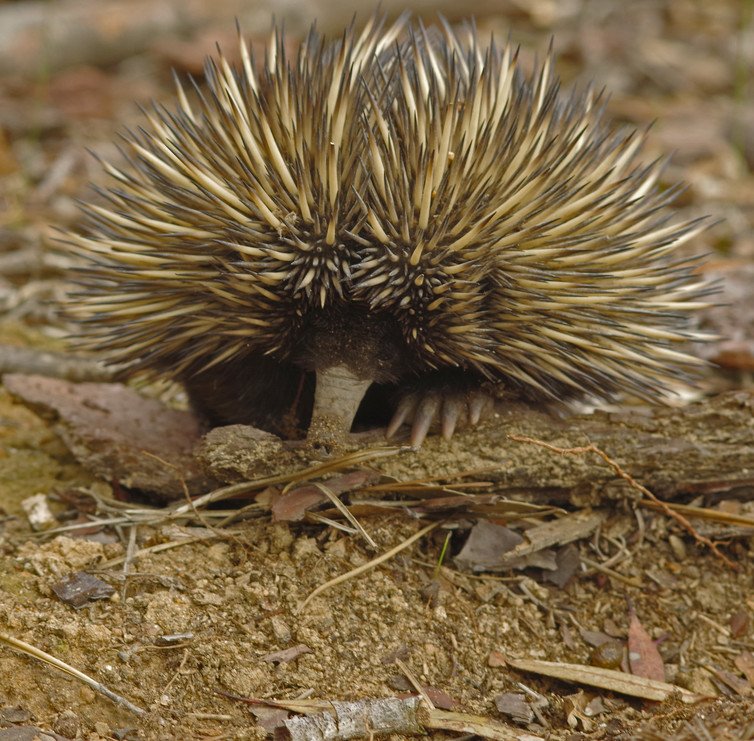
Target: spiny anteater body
401 209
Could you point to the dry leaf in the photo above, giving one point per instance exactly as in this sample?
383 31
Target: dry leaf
643 656
745 664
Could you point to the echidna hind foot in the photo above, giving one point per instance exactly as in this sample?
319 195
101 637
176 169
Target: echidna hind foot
445 409
322 406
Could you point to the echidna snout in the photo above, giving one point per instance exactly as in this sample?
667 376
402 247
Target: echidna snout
400 210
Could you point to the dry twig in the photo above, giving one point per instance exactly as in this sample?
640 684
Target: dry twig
634 484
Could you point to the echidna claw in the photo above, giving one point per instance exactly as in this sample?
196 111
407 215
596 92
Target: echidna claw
451 410
403 411
451 413
424 416
480 405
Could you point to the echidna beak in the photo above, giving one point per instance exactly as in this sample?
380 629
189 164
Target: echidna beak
337 397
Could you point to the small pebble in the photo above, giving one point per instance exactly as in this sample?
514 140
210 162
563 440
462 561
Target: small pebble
607 655
678 547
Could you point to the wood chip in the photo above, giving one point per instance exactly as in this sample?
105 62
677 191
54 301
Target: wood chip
607 679
514 705
286 655
559 532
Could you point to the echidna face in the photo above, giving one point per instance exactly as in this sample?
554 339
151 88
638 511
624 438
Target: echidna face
396 203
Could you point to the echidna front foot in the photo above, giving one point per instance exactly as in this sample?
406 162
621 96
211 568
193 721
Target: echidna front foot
448 409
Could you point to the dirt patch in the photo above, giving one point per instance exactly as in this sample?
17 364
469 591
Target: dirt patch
218 616
190 626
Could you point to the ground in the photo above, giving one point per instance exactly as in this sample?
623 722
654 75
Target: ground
190 634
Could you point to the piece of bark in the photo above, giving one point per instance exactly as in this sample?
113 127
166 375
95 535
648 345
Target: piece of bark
79 589
236 453
560 531
705 448
119 434
515 706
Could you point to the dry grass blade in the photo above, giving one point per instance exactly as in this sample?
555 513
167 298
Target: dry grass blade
432 484
627 580
335 524
157 549
703 513
484 505
345 512
355 458
414 683
43 656
370 565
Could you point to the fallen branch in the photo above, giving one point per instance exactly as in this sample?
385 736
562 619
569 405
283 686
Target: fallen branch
634 484
71 367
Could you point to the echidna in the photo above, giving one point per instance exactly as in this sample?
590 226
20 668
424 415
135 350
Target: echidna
401 210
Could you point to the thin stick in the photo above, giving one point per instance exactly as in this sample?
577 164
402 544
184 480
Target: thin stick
37 653
634 484
370 565
415 683
156 549
346 513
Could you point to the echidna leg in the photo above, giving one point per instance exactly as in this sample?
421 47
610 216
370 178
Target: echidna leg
337 396
450 409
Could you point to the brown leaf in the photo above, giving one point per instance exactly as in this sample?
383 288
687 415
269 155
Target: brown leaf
745 664
440 698
739 623
292 506
643 656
